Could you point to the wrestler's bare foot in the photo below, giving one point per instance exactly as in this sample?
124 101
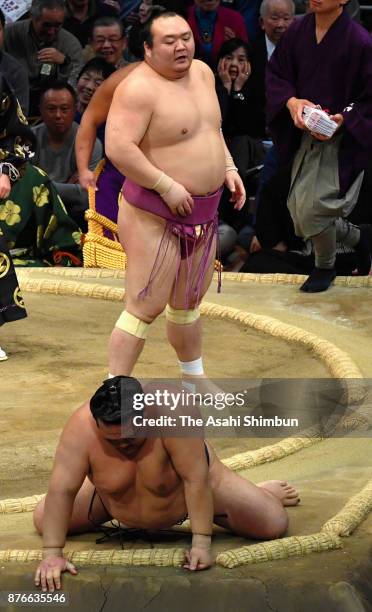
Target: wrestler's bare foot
282 490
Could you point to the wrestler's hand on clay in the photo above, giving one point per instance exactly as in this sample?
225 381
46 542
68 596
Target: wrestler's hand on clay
235 184
5 186
338 119
48 574
296 107
198 558
179 200
87 179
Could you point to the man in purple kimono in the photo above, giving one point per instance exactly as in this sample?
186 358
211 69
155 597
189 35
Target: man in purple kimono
324 59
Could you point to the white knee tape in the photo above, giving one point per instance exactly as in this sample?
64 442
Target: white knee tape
132 325
181 317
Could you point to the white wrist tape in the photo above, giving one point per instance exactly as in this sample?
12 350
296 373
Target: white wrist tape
163 184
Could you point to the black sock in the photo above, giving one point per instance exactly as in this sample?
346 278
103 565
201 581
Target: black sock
319 280
363 250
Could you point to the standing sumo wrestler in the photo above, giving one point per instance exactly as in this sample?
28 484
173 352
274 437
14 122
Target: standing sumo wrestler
163 134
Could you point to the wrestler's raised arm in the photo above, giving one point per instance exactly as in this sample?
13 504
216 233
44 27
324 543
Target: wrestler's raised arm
190 463
69 470
94 116
127 123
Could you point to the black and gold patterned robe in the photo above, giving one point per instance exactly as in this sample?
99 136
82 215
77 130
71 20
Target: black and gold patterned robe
33 218
15 142
12 306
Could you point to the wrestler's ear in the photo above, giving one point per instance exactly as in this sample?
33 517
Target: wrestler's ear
147 50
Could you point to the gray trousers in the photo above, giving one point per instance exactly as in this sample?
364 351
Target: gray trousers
325 243
313 201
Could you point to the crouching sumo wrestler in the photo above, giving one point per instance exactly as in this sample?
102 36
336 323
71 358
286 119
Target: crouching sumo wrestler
103 471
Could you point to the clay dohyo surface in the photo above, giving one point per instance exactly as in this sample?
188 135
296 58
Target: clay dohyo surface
58 356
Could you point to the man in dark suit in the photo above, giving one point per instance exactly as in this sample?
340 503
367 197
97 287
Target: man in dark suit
275 17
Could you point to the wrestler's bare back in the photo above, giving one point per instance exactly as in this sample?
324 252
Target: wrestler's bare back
183 136
141 491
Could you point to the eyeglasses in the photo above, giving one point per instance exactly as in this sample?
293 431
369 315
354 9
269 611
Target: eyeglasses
100 40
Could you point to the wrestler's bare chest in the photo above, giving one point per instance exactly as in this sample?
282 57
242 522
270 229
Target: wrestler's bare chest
183 110
148 473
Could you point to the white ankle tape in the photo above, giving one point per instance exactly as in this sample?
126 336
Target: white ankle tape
193 368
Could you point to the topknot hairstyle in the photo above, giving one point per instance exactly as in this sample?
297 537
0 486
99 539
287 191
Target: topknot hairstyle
112 403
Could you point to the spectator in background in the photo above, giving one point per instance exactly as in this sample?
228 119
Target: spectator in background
90 78
212 25
144 8
128 8
79 19
108 41
45 49
276 17
134 31
238 125
144 11
15 74
234 90
55 147
250 11
141 10
81 14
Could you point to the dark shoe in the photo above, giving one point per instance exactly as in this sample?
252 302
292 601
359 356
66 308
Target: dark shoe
319 280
